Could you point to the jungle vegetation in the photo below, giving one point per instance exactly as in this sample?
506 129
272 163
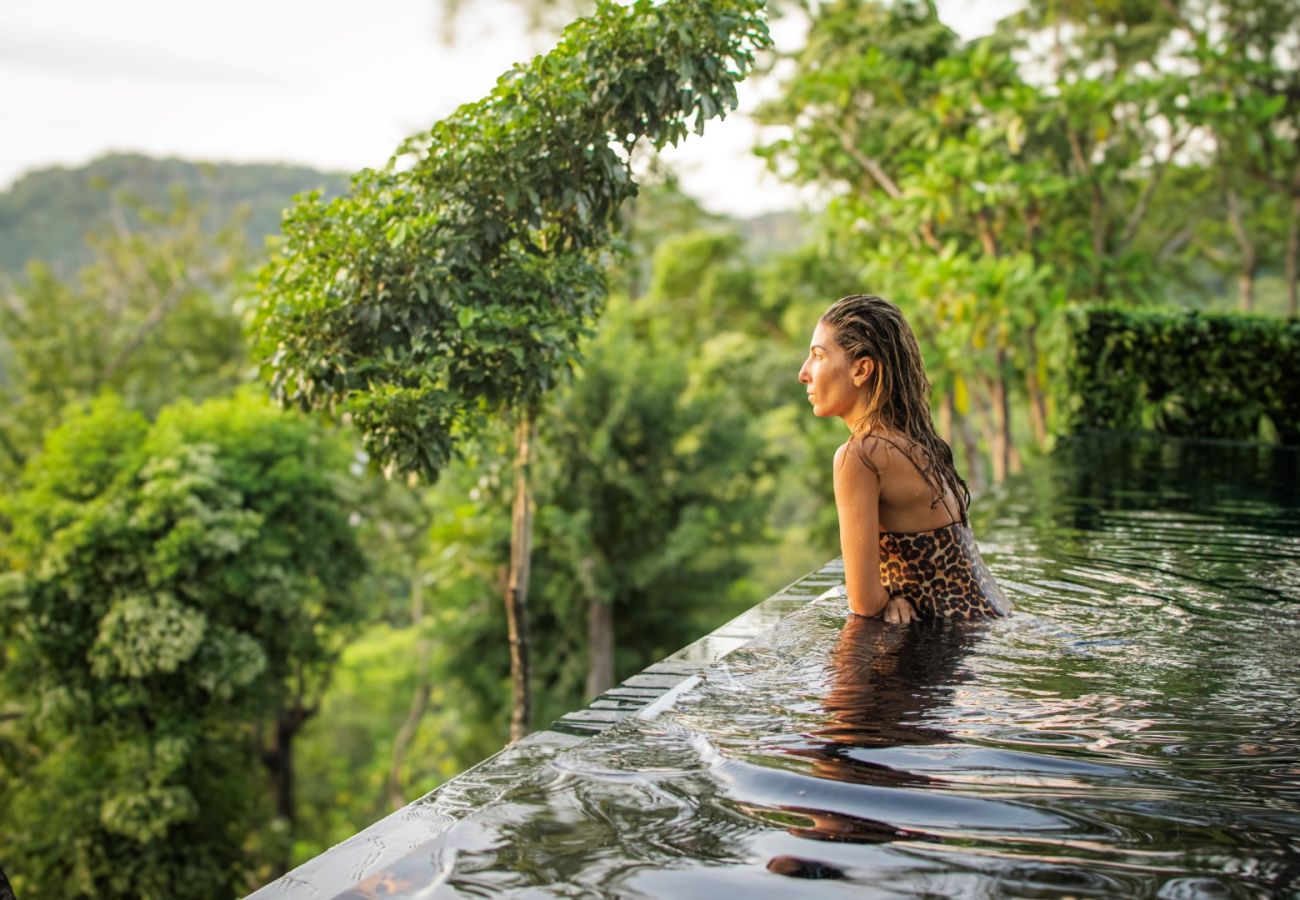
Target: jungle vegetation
533 397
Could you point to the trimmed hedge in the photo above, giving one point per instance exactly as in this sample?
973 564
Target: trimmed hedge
1223 375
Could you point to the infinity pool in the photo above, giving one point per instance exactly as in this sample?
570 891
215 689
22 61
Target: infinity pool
1132 730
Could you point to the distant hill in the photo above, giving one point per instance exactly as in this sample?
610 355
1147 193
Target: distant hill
47 213
774 233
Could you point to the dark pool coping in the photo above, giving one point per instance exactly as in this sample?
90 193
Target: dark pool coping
344 866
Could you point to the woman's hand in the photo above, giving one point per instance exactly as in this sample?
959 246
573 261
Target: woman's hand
898 611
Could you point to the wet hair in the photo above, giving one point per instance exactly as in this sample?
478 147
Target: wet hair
898 402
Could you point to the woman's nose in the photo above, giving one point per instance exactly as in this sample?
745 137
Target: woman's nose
803 374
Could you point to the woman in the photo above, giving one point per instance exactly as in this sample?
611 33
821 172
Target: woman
904 532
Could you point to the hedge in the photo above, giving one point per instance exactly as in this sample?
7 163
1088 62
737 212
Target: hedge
1222 375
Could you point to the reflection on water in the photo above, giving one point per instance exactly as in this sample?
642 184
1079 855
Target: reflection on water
1131 731
882 679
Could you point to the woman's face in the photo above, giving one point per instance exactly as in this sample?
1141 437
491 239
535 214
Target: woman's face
828 375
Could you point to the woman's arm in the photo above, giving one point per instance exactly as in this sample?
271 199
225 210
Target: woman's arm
857 499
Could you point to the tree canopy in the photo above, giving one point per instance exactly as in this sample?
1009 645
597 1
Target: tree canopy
461 276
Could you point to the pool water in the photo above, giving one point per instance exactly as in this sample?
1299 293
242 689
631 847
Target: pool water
1132 730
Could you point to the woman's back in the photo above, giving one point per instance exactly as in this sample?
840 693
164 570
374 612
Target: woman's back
928 555
908 500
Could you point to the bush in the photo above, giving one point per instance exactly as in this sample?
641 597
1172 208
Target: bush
173 586
1191 374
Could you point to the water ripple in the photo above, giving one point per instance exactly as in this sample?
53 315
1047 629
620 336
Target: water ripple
1131 731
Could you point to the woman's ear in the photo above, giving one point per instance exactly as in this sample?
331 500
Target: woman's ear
863 370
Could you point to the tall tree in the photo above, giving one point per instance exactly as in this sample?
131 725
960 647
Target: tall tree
458 280
1227 75
1246 92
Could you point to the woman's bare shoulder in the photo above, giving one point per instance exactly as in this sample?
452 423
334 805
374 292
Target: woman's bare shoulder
863 454
874 450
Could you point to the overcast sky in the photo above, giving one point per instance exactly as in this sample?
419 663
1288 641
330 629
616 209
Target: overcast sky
334 84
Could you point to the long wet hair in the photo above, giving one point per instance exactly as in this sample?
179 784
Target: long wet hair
898 399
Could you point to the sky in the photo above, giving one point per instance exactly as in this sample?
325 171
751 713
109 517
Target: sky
334 84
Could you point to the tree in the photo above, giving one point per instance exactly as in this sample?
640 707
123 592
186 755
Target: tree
458 280
980 199
1246 92
1227 75
654 480
178 594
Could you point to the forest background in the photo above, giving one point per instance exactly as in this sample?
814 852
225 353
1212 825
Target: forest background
1085 154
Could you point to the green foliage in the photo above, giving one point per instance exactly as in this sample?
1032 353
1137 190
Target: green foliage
945 162
171 585
988 187
1219 375
702 284
1217 115
345 754
658 480
461 277
150 318
45 214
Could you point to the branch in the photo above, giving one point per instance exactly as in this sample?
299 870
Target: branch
1076 151
1144 201
1175 242
1239 230
181 286
987 239
886 183
1098 202
1214 254
151 321
873 168
1291 189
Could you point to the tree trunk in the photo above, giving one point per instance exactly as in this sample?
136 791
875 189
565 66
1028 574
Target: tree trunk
284 733
947 407
521 539
600 646
1246 289
1293 258
963 434
600 631
975 476
1002 415
279 759
419 702
1249 259
989 431
1000 434
1037 400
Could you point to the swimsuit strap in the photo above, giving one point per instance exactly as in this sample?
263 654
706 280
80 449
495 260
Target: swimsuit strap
961 518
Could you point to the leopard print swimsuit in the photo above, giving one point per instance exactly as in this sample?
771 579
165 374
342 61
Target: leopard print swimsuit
940 572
